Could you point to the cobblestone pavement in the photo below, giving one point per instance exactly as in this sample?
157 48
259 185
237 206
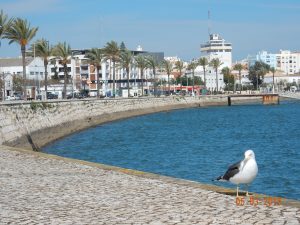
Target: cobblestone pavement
36 189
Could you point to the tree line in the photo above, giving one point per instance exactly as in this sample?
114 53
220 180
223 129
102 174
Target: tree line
20 31
256 73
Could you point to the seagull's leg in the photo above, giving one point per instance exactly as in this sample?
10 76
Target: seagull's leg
237 191
247 193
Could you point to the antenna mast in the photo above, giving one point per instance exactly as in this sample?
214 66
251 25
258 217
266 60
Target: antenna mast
209 23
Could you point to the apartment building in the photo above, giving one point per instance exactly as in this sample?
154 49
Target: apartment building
285 61
10 67
34 67
84 76
288 62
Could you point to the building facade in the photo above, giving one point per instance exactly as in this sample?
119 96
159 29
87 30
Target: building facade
288 62
285 61
217 47
268 58
10 67
34 67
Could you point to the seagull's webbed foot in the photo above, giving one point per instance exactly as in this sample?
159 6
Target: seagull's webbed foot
247 193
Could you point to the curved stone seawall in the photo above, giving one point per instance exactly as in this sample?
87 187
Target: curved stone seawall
43 122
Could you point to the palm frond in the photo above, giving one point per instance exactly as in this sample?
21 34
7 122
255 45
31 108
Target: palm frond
5 23
20 32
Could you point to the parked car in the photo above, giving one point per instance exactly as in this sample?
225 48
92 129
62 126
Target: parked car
76 95
51 96
10 98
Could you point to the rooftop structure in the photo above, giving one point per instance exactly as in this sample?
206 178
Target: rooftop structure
216 47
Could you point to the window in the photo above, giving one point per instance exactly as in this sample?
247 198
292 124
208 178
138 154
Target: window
31 73
41 73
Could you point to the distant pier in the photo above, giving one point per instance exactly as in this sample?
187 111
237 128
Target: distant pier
267 99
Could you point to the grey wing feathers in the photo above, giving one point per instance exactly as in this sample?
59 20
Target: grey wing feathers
232 170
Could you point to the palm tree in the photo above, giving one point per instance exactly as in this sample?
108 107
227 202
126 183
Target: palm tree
203 62
179 66
239 68
141 63
152 63
216 63
126 61
95 56
5 23
112 52
21 33
228 77
273 70
192 66
42 49
168 66
63 52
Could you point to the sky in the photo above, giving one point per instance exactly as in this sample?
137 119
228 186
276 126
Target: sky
175 27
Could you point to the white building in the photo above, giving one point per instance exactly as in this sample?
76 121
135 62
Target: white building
268 58
216 47
282 78
10 67
210 75
288 62
34 67
285 61
6 82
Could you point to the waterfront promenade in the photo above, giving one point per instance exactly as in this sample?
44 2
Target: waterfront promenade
42 189
292 95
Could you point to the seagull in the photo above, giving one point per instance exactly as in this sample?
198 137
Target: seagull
243 172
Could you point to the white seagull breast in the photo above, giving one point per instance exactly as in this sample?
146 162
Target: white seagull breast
247 172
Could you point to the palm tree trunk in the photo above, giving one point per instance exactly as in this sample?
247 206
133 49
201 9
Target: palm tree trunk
114 80
233 84
193 83
240 76
217 82
180 83
273 84
23 50
128 88
204 77
98 80
65 81
46 77
142 78
154 82
168 84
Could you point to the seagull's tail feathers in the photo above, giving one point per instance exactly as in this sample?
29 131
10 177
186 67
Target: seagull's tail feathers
220 178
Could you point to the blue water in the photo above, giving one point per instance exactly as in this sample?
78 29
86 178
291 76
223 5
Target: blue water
199 144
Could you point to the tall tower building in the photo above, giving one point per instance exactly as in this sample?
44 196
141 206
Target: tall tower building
216 47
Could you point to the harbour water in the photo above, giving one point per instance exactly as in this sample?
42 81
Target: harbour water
199 144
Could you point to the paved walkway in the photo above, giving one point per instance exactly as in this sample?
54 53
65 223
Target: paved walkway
294 95
36 189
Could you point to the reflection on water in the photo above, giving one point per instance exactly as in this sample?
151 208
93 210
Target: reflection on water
199 144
